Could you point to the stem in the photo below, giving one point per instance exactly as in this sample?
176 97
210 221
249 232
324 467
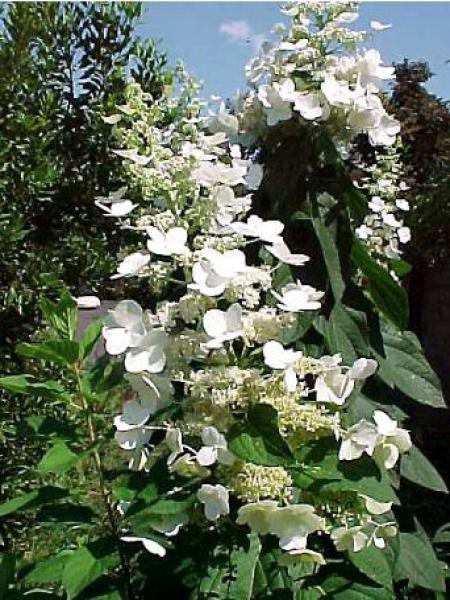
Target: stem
124 563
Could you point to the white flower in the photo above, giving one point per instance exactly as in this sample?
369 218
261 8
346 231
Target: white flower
275 108
124 328
337 92
282 252
291 524
334 386
214 270
267 231
150 545
87 301
223 121
404 234
382 532
363 232
131 265
215 448
154 394
120 208
209 174
254 176
371 72
309 106
402 204
215 498
167 244
174 442
363 368
131 432
296 297
134 415
374 507
228 205
385 131
257 515
376 204
302 555
378 26
392 441
134 156
277 357
352 539
149 355
361 437
222 326
389 219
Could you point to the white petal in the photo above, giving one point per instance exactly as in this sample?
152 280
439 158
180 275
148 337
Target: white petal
117 340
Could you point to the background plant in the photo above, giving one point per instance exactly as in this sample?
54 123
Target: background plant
63 66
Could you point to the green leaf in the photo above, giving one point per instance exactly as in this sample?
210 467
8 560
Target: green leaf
7 571
59 352
49 570
373 562
418 564
389 297
244 561
261 442
58 459
405 367
346 333
36 498
63 316
87 564
417 468
326 472
331 257
337 587
16 384
89 339
24 384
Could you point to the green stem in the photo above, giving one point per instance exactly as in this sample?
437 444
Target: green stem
114 528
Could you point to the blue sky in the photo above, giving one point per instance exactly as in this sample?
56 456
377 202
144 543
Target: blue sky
216 39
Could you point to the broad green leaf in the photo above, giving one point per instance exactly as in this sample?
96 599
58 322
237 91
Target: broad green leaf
7 570
59 352
346 333
418 564
87 564
264 418
89 339
49 570
58 459
261 442
417 468
16 384
33 499
25 384
341 588
326 234
326 472
406 368
373 562
389 297
244 561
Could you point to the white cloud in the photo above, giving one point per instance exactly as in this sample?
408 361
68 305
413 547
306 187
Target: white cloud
236 31
240 31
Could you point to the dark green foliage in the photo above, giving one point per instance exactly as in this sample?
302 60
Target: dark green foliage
63 66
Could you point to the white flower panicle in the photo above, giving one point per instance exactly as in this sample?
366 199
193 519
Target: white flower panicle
220 341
